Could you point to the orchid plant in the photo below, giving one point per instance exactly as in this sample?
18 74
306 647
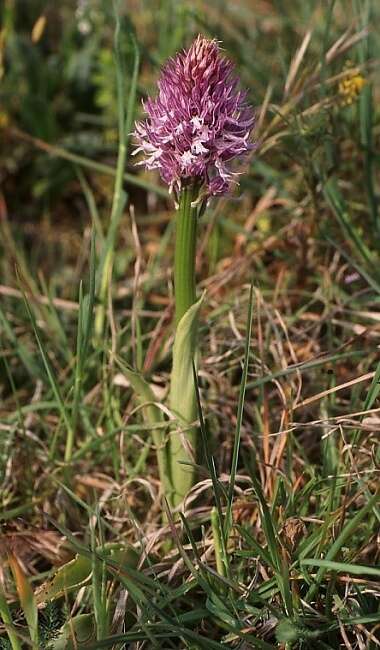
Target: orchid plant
196 127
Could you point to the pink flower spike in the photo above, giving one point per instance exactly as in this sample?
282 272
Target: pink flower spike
198 123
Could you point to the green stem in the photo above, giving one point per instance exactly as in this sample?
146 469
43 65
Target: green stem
182 390
185 250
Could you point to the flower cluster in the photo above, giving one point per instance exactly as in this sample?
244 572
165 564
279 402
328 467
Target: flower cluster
350 87
199 121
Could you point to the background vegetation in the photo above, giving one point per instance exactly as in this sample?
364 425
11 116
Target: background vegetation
88 560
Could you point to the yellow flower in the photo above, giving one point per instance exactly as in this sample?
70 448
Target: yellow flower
350 87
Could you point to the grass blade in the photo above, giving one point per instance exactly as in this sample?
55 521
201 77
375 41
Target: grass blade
243 386
345 534
53 383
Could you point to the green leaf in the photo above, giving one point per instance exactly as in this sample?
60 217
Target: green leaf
77 572
6 618
286 632
289 632
27 600
183 402
79 629
71 575
153 416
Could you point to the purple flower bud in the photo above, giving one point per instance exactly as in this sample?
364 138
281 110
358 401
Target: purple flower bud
198 123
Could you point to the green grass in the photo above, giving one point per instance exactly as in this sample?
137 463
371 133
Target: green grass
276 546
